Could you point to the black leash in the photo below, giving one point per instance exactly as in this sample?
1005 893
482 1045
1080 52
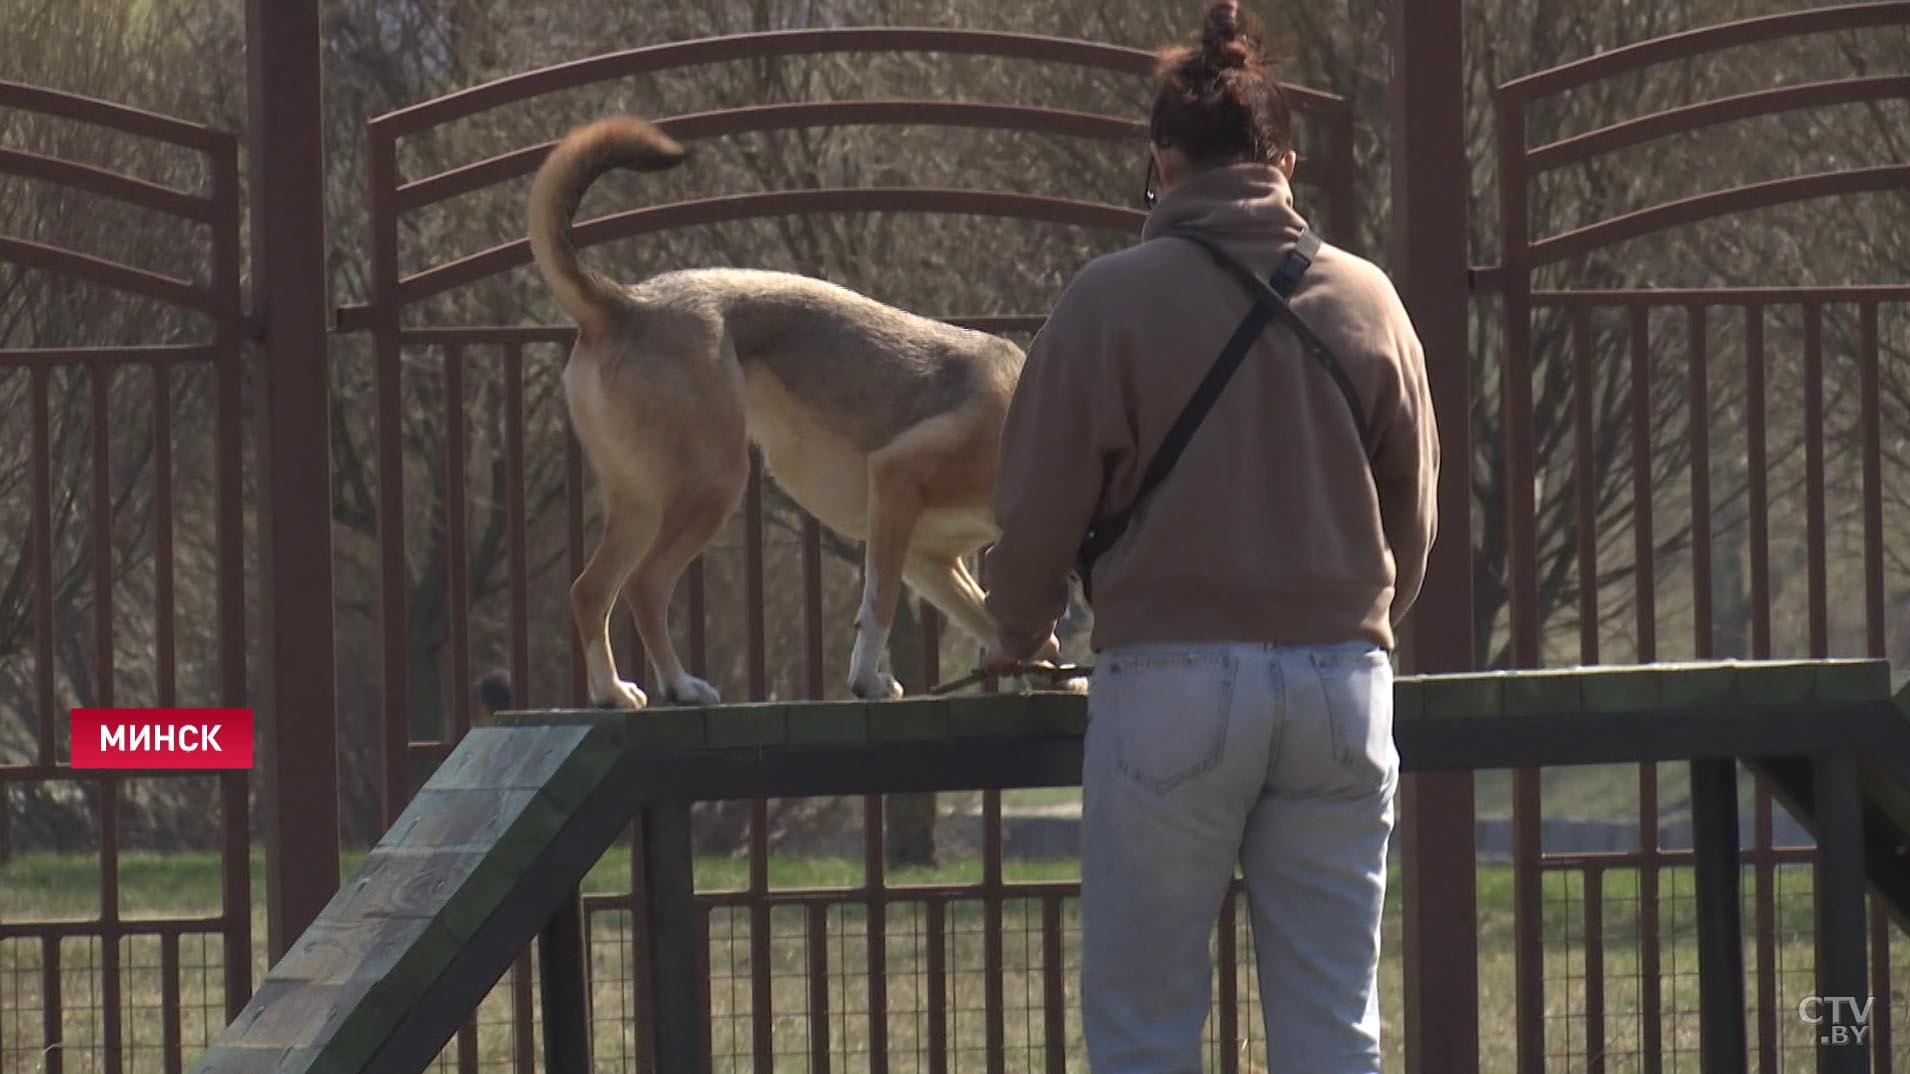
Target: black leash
1054 673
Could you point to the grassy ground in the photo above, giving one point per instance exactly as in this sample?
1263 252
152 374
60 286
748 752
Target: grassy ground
39 887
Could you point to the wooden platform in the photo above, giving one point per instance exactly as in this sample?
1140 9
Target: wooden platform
493 847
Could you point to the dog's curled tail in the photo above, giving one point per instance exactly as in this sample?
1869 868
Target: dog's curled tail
576 162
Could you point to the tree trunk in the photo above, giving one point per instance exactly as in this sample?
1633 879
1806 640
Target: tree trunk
909 819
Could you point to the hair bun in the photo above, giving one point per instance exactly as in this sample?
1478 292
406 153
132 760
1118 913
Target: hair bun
1229 38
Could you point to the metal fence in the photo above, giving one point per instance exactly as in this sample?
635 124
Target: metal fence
1725 491
112 987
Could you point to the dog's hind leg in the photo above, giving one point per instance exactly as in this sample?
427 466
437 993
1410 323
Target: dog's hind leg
594 594
686 525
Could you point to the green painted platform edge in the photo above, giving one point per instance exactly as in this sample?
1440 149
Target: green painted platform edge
1538 693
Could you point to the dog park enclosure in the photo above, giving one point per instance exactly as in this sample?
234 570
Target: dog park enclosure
258 365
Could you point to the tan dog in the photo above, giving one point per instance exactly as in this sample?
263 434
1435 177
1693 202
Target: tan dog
883 424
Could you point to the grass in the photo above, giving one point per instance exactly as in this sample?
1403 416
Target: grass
48 886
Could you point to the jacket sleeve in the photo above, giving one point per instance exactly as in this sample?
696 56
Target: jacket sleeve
1064 422
1406 475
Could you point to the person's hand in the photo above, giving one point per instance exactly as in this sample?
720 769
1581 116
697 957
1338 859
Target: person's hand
997 662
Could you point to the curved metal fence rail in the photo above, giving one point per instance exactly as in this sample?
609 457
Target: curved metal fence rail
201 961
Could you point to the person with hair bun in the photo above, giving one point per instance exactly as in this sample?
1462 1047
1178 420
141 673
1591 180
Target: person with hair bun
1250 529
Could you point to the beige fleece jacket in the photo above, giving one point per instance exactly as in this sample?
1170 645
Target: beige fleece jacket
1271 527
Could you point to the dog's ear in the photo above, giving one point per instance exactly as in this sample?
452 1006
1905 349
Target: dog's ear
494 694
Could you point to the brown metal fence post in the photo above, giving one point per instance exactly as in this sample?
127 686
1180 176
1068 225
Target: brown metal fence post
300 777
1428 258
1722 1042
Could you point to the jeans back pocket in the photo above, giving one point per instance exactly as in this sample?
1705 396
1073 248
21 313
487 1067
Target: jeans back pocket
1358 689
1165 713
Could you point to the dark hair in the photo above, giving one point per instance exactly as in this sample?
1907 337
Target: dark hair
1218 101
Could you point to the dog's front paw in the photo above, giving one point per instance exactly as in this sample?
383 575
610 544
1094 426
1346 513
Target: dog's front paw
1076 685
690 690
623 695
878 687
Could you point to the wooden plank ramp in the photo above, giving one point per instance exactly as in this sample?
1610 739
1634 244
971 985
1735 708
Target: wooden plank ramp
478 841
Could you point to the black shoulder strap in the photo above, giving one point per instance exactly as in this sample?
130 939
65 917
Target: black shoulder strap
1102 535
1272 297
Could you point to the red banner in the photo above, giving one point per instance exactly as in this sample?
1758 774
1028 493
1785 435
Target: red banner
162 738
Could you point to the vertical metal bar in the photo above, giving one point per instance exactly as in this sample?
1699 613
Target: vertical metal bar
812 606
165 666
1714 833
235 805
523 1030
1755 465
1521 525
388 462
468 1046
235 882
1429 240
992 1000
1515 397
45 661
1595 1044
564 966
642 960
1840 900
1644 571
1528 921
706 1045
101 538
515 521
1229 1002
574 546
1764 909
1585 484
754 593
1054 991
935 910
875 884
112 1040
457 572
1699 436
1880 931
301 742
817 943
52 1016
1764 902
228 446
1651 997
170 1045
1870 418
669 894
762 994
1814 478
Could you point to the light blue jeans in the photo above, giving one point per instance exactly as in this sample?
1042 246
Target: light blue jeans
1198 757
